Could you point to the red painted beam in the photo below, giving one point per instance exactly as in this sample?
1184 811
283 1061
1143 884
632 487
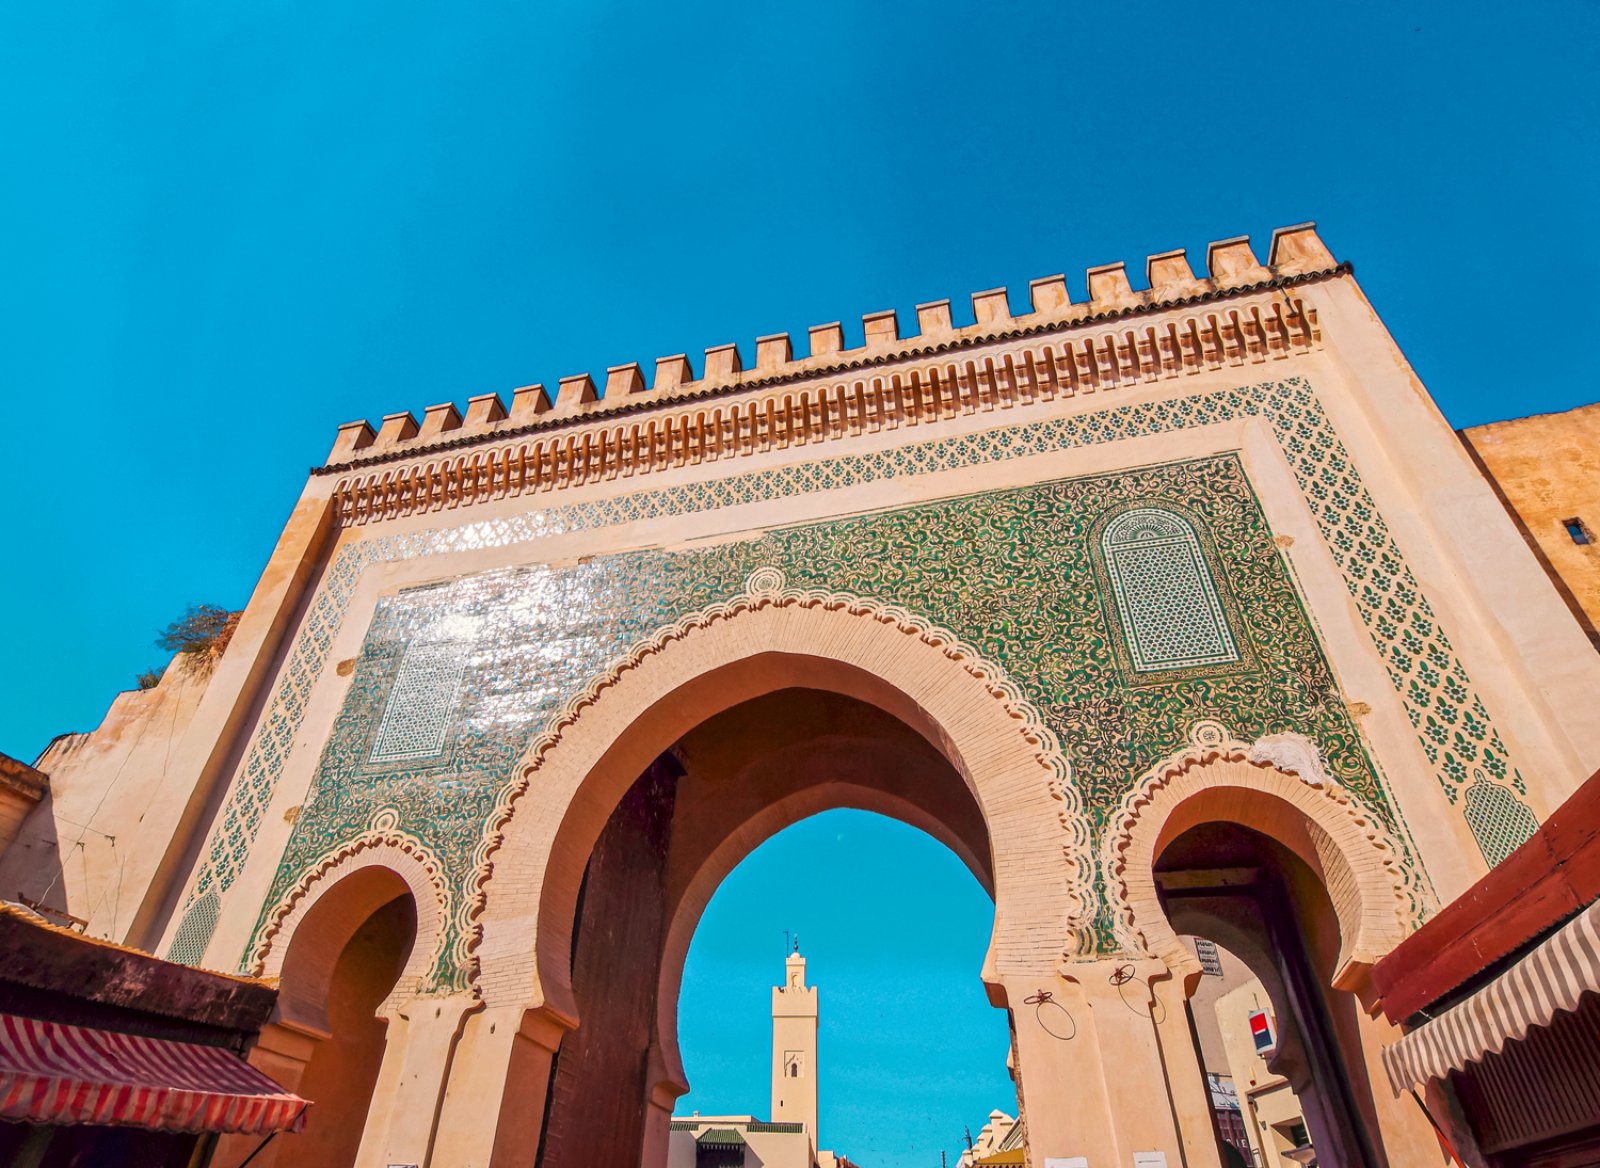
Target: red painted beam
1543 882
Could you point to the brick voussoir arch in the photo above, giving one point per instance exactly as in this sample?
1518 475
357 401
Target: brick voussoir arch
713 659
1279 787
685 913
381 848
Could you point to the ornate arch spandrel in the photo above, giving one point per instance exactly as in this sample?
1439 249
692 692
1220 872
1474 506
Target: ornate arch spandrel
965 704
383 847
1277 786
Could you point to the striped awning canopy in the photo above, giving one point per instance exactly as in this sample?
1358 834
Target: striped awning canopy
1550 978
59 1074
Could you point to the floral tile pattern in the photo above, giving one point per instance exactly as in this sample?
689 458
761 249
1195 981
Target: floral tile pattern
1035 598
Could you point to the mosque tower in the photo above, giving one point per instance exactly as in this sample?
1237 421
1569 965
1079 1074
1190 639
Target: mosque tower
794 1048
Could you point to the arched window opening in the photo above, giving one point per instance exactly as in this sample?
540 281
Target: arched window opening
1166 598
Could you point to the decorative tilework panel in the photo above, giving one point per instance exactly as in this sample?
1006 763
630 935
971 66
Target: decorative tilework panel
1010 572
1168 604
1499 820
1453 726
417 714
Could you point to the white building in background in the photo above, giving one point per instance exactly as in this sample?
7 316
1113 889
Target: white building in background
1001 1142
789 1139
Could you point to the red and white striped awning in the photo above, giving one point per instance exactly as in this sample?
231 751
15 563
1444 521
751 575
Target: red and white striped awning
1552 977
54 1073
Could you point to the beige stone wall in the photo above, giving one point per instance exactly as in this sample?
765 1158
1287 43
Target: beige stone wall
14 810
1546 469
1209 990
133 801
84 848
21 789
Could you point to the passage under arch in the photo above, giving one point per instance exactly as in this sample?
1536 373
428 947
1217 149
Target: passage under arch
1340 841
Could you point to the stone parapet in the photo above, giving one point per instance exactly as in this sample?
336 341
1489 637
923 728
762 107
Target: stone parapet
1199 340
1060 350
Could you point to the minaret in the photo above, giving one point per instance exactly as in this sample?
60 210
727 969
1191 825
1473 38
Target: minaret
794 1048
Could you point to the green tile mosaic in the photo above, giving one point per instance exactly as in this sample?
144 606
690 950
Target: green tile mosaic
1016 574
1451 721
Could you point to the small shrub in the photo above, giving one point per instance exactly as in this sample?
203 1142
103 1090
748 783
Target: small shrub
196 631
151 678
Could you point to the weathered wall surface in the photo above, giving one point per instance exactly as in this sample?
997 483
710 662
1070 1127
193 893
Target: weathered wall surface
21 789
1546 469
83 849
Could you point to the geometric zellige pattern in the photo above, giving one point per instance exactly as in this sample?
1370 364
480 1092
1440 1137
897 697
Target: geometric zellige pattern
417 715
1499 820
1450 719
1171 614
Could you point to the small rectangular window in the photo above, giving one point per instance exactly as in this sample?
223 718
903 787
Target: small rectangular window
1579 531
1210 959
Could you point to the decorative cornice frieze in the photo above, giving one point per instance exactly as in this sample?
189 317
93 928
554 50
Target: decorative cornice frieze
922 387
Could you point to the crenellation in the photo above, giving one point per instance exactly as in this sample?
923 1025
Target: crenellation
353 437
622 380
921 393
1297 250
484 410
773 352
528 402
672 373
1109 290
826 339
439 419
396 428
991 308
1232 264
1170 277
880 328
723 363
1048 295
576 391
933 318
1084 364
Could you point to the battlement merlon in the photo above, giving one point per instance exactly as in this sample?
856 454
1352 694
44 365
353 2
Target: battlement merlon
1296 252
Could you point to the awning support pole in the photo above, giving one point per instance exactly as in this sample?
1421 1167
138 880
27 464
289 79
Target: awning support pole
270 1137
1449 1148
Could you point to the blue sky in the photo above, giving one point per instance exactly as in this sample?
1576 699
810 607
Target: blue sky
226 228
894 929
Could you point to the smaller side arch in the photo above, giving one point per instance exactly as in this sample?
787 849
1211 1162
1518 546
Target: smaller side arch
317 917
1278 787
